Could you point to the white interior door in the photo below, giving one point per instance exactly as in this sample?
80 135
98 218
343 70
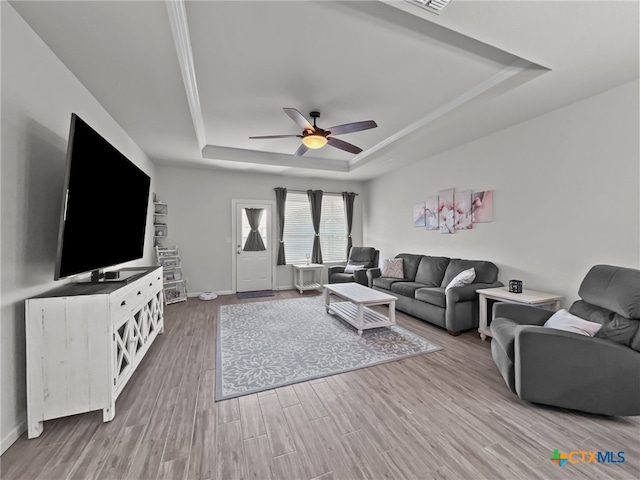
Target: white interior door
254 259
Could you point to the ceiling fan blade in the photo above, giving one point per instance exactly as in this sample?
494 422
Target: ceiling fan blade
302 149
297 117
277 136
352 127
342 145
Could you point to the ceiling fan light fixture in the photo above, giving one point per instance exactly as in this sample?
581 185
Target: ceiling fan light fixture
314 141
314 137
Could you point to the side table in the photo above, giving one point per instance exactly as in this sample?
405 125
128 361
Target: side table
315 283
549 301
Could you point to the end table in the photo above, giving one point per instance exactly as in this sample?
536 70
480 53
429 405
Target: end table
315 283
549 301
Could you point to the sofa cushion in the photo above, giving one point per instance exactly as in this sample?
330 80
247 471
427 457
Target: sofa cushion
410 265
341 278
386 282
406 289
392 268
365 256
431 270
465 277
563 320
614 288
486 272
351 268
615 327
432 295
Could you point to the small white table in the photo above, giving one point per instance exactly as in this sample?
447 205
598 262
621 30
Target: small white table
315 283
354 311
549 301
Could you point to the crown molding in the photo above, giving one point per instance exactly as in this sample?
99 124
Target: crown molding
518 66
180 31
240 155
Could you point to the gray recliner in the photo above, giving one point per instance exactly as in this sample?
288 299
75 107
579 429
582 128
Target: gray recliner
365 257
599 374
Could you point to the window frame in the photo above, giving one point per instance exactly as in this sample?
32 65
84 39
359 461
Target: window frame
332 237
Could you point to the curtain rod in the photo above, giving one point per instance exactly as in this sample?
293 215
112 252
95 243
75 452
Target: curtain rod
330 193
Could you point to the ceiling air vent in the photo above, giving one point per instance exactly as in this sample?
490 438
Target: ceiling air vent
435 6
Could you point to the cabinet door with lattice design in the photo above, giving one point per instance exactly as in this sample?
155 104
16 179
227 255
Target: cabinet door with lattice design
123 338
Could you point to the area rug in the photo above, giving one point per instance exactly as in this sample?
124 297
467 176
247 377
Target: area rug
265 345
255 294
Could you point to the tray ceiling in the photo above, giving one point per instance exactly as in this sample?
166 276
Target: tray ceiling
191 81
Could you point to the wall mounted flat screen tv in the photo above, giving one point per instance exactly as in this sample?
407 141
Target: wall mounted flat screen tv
105 203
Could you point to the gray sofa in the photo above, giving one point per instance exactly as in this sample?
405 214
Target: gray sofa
421 292
599 374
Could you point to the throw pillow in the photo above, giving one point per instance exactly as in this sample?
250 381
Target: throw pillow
563 320
392 268
463 278
352 268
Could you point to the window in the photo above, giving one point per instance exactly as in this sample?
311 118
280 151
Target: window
298 228
246 228
333 229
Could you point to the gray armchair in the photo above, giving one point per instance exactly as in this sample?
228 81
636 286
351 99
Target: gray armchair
365 257
599 374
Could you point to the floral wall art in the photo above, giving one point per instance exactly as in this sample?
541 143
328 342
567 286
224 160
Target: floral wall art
446 210
482 206
419 219
431 212
450 210
462 213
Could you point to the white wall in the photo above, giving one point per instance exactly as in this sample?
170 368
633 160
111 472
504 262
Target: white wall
200 218
566 195
38 95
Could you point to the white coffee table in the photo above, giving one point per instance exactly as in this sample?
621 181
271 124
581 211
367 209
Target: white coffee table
550 301
354 309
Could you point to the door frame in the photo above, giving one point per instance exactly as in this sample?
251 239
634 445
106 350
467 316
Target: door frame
234 234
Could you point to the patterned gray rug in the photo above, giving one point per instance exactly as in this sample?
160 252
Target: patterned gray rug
265 345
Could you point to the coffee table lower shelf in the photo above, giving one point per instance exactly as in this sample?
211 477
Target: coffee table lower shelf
349 313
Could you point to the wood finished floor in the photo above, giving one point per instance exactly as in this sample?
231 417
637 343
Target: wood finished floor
443 415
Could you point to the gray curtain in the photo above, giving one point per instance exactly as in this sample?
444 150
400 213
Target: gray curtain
315 201
281 198
254 241
348 198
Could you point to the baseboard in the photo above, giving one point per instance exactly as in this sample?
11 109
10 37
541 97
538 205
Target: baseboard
285 287
221 292
12 436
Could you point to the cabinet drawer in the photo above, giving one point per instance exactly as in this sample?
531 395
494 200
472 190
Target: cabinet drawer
132 300
153 283
132 297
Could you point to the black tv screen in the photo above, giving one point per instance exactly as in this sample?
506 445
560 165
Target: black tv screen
105 202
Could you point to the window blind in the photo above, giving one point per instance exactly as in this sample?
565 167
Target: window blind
298 228
333 229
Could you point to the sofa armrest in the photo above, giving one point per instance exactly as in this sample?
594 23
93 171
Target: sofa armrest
568 370
521 314
335 269
360 276
373 273
466 293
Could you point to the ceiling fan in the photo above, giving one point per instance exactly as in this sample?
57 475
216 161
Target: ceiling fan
315 137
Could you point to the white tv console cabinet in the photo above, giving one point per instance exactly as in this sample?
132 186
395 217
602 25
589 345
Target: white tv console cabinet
85 340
